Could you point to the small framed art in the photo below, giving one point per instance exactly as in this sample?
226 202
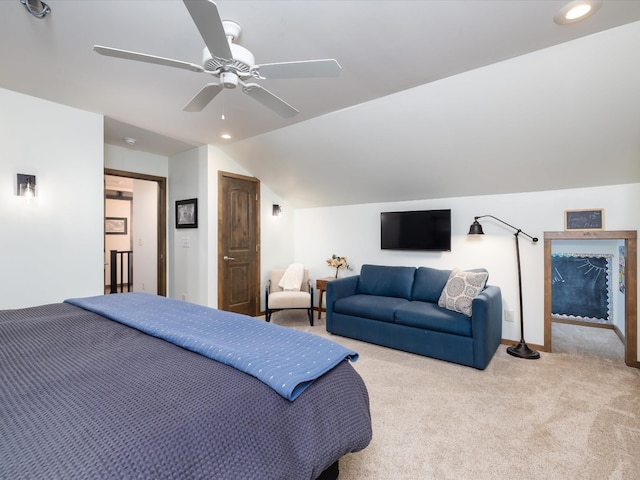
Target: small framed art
187 213
115 225
586 219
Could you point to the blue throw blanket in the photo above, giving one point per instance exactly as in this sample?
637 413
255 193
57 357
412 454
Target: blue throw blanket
287 360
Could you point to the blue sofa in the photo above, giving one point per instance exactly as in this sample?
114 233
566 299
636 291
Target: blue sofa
397 307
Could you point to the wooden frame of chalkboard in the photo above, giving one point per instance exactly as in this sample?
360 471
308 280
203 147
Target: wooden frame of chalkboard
585 219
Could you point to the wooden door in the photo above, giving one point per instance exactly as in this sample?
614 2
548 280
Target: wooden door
238 243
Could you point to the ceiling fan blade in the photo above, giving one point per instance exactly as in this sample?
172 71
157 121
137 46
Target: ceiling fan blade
203 97
143 57
269 100
301 69
207 19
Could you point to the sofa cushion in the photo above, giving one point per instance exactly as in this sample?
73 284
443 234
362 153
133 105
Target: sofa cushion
369 306
429 316
460 289
428 284
386 281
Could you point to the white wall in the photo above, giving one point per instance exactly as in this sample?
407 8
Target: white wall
144 232
186 261
52 247
130 160
354 231
278 243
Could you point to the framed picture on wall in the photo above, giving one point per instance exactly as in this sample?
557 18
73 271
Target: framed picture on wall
587 219
187 213
115 225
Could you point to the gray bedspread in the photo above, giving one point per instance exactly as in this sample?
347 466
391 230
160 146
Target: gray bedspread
82 396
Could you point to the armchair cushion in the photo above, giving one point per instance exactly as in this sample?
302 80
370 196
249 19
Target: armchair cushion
286 300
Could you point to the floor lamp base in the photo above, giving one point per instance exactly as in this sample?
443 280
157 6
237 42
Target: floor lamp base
523 351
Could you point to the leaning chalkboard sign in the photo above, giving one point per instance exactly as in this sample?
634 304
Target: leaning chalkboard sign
591 219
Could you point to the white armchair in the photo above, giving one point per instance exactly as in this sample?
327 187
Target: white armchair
279 299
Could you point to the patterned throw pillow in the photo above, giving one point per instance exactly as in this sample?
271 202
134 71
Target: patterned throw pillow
458 293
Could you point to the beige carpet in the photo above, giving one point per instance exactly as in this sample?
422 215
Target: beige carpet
572 415
584 340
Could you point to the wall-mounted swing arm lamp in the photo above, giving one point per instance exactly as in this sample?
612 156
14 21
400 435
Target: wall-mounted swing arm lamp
521 350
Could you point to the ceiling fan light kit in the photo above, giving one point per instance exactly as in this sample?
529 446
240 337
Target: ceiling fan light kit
231 63
229 79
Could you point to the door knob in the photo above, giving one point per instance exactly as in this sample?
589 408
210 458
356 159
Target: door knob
226 259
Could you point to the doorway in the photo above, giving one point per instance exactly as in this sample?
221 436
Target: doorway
238 243
629 241
118 246
159 223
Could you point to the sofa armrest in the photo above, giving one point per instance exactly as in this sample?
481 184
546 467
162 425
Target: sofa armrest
337 289
486 324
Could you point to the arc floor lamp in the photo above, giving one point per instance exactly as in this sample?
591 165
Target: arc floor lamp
521 350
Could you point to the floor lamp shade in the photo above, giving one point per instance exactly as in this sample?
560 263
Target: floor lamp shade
520 350
475 228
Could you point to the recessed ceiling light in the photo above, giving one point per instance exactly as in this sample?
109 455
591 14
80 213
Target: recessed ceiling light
576 11
226 136
130 141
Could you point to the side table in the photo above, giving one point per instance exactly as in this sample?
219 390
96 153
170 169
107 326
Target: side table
321 286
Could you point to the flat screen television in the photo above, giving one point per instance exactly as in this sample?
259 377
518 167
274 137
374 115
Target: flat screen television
416 230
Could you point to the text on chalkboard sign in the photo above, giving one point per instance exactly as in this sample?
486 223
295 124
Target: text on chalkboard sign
592 219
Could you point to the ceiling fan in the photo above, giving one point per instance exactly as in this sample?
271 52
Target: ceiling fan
231 63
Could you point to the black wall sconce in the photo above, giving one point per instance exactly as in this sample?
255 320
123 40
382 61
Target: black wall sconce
277 209
26 186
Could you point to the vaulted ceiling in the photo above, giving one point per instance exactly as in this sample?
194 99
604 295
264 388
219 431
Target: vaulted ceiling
435 98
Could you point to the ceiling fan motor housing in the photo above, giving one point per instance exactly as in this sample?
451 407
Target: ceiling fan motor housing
242 61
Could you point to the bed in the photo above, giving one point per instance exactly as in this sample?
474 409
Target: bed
83 395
